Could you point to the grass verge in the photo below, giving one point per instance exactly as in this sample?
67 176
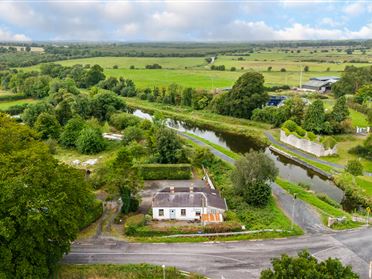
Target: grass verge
116 271
325 209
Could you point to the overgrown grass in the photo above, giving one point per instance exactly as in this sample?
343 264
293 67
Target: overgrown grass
117 271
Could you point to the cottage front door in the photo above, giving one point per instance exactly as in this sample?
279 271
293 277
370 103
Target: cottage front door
172 213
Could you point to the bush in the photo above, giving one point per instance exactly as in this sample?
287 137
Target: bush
16 109
329 142
132 134
311 136
354 167
300 131
222 227
164 171
290 125
202 157
120 121
133 223
93 214
90 141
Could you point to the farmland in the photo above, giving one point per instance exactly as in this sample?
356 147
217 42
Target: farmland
195 71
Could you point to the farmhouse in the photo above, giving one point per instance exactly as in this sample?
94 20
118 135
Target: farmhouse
321 84
188 204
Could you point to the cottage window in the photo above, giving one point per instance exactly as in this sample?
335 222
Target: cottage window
161 212
197 213
183 212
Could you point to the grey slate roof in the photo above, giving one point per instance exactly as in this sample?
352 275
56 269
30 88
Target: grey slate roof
315 83
325 78
183 198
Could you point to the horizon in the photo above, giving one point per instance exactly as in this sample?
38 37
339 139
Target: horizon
184 21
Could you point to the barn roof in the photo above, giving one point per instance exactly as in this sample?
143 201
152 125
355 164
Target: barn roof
316 83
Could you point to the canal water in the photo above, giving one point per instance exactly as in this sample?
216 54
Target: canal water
288 169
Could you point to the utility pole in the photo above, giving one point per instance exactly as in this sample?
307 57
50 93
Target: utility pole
163 266
300 76
370 270
293 209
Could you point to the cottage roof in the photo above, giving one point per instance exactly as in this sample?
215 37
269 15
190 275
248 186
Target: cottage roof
182 197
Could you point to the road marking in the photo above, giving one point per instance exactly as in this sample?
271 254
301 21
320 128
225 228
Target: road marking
158 254
324 250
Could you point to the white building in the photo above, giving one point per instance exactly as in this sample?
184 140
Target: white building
188 204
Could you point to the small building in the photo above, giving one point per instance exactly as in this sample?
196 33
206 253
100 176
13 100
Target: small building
188 204
276 101
320 84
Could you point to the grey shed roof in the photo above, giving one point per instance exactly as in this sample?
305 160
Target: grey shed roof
325 78
183 198
316 83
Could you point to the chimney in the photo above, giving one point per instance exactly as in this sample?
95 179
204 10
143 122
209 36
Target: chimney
171 189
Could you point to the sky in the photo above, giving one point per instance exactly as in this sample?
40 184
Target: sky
175 20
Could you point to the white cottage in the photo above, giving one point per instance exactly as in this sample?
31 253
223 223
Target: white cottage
188 204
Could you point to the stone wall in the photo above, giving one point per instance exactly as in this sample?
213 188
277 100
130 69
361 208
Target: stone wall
306 145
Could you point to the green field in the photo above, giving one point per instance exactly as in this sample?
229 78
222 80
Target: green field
5 105
195 71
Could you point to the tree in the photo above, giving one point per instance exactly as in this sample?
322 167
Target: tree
354 167
306 266
269 68
168 147
351 80
71 132
31 113
306 68
121 121
36 87
251 177
314 117
106 103
63 112
187 97
90 141
246 95
364 94
43 204
47 125
339 113
94 75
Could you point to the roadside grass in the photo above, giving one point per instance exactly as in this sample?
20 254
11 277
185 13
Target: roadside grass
201 238
117 271
6 104
365 182
205 119
325 209
223 150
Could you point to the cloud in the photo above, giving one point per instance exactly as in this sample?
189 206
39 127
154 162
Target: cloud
8 36
355 8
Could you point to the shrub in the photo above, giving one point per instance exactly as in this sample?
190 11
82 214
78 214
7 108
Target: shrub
90 141
93 214
311 136
223 227
16 109
164 171
71 132
202 157
290 125
132 134
329 142
300 131
120 121
133 223
354 167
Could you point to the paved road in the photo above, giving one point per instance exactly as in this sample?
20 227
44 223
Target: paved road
305 216
305 155
233 260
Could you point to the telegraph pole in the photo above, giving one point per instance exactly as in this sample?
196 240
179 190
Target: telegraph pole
293 209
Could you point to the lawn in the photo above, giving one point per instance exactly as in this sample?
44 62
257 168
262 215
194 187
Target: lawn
365 182
5 105
117 271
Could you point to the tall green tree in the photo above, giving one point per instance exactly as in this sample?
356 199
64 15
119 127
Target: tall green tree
246 95
48 126
105 103
315 117
340 110
90 141
31 113
71 132
94 75
306 266
168 147
251 177
43 204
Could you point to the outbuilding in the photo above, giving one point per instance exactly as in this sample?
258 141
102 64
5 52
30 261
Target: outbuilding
320 84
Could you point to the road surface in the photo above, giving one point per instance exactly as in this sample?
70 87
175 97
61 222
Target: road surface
233 260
